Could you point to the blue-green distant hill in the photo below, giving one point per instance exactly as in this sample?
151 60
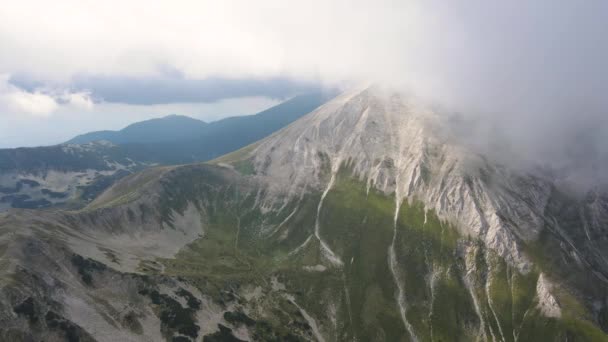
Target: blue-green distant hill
179 139
169 128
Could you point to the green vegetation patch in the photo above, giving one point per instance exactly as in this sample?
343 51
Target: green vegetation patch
244 167
359 227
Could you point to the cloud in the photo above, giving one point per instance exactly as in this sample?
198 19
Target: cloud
35 104
511 55
15 100
78 100
171 88
39 103
328 39
533 72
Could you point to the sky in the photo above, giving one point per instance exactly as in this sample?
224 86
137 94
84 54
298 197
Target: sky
533 71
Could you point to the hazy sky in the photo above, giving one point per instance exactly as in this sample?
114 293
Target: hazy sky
535 69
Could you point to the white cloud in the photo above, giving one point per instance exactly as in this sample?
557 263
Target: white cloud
78 100
538 66
505 54
40 102
328 39
17 101
35 104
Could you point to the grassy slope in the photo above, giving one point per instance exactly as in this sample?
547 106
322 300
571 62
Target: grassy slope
359 226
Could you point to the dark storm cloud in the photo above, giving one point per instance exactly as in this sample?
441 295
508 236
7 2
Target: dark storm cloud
171 88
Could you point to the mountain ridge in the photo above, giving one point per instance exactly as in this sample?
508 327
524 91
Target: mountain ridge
166 128
190 129
406 151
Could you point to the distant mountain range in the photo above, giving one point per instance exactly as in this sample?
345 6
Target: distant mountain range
76 171
179 139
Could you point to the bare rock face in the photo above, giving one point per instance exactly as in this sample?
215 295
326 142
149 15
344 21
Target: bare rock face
399 145
81 275
547 303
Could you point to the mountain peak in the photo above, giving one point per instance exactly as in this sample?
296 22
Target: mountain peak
369 127
171 117
396 143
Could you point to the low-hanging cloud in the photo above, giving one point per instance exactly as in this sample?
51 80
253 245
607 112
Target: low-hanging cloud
39 102
22 102
173 88
530 74
518 48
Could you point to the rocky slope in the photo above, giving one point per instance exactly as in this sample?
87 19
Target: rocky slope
397 145
364 220
61 175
